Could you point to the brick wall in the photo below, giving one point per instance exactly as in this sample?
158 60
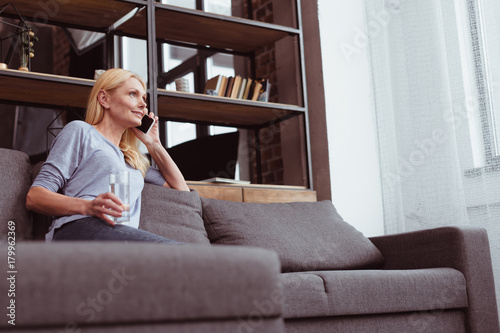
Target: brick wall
270 137
61 51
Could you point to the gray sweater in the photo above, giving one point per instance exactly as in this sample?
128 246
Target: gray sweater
79 165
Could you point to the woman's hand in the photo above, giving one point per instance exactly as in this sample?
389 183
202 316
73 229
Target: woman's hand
50 203
105 204
169 170
153 135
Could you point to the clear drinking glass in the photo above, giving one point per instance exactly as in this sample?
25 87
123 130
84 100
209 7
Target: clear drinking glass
119 184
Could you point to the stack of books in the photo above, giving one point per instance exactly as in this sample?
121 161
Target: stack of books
238 87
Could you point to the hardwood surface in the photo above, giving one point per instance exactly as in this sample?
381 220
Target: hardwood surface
62 91
222 110
253 192
220 31
262 195
218 192
44 89
97 15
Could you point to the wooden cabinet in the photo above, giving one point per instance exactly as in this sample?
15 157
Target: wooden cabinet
253 193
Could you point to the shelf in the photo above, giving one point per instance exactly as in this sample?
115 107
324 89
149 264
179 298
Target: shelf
44 89
223 111
62 91
219 31
96 15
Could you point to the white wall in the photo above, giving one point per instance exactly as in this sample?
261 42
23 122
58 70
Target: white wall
355 174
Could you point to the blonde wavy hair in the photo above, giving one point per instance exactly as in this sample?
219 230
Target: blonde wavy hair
129 144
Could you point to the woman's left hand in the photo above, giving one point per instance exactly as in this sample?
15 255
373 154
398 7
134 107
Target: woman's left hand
153 135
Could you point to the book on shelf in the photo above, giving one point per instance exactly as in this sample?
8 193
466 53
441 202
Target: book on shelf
223 86
213 84
229 88
241 91
256 90
265 90
238 87
247 88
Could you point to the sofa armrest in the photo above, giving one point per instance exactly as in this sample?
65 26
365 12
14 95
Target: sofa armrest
108 284
465 248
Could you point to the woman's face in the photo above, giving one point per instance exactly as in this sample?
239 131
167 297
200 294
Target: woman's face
127 103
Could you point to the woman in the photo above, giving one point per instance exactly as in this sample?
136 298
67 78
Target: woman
73 183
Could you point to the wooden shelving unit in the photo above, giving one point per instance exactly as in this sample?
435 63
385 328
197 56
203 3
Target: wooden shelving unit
95 15
155 22
221 110
218 31
44 89
61 91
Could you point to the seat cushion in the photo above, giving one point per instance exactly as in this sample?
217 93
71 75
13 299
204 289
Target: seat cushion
15 177
306 235
117 283
341 293
452 321
172 214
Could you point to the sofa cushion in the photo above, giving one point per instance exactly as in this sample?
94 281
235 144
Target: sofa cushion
172 214
306 235
106 286
362 292
451 321
15 171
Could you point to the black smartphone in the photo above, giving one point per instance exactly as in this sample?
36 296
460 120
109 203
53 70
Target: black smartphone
147 124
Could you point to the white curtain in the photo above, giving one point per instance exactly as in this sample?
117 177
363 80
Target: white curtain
433 79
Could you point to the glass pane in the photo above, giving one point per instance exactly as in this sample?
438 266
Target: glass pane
222 7
176 55
181 3
490 27
220 64
135 56
178 133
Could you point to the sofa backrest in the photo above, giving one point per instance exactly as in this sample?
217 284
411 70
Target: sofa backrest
164 211
15 180
173 214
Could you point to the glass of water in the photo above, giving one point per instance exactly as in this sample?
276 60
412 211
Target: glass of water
119 184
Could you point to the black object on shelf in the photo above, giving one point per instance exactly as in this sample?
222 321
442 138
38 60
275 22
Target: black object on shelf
207 156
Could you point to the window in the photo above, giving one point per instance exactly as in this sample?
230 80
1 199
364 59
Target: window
486 52
214 6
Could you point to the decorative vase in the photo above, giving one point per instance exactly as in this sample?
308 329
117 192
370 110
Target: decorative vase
24 69
3 65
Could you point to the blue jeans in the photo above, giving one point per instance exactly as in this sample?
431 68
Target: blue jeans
95 229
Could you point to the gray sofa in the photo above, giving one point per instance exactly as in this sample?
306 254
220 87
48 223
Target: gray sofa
248 267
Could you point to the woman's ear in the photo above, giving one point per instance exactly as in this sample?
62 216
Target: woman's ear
103 98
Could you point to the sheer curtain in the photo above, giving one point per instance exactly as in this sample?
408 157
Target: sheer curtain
432 69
